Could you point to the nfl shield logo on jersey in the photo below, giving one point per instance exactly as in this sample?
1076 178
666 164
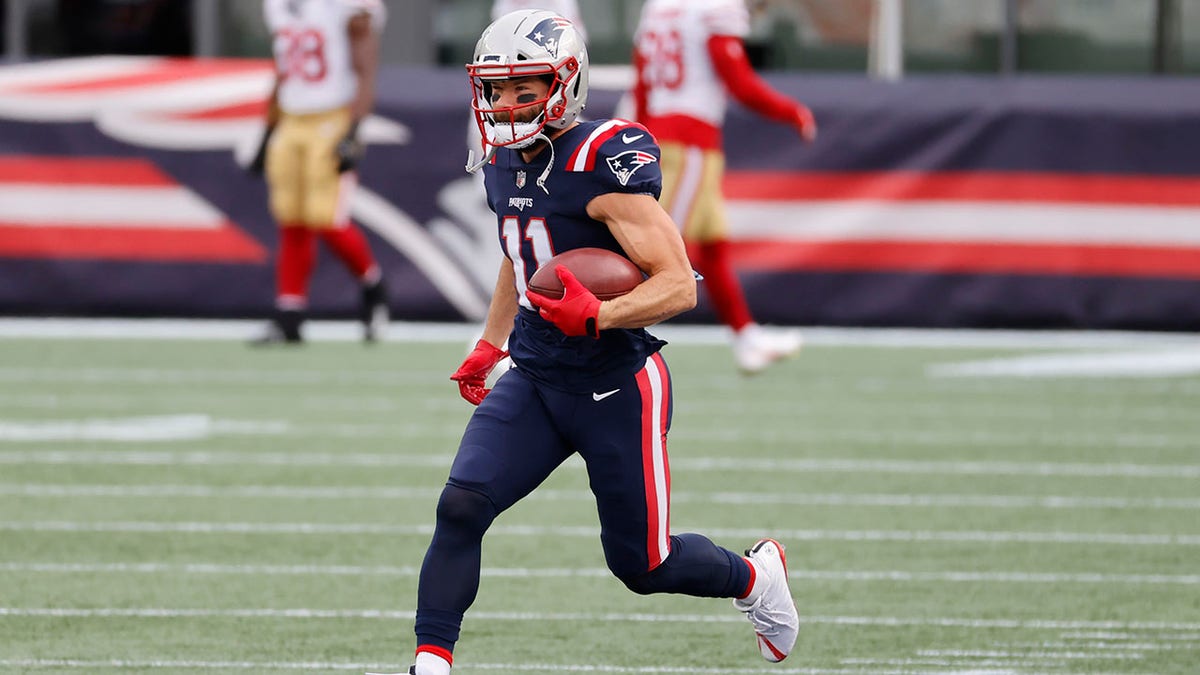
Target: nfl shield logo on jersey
520 179
627 163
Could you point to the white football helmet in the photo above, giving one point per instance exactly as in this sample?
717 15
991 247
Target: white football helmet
529 43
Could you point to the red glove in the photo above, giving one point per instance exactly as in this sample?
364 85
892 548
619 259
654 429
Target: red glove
473 372
577 313
805 123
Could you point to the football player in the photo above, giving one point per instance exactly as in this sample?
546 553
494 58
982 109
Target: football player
588 378
326 58
688 54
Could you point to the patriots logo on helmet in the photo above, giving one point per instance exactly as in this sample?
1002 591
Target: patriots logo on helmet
548 33
627 163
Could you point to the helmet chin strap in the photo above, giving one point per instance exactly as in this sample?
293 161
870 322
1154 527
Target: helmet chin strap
490 141
541 180
473 166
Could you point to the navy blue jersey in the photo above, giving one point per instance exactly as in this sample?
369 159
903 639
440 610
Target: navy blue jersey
592 159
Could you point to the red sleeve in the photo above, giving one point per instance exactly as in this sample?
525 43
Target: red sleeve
639 86
729 60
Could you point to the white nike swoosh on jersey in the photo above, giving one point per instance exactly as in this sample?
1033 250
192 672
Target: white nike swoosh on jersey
601 397
629 139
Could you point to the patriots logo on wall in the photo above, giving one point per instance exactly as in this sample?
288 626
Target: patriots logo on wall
627 163
548 32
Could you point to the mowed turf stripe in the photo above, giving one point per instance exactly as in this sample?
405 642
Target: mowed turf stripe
102 329
897 576
700 409
153 664
717 464
931 536
303 492
606 617
693 408
77 430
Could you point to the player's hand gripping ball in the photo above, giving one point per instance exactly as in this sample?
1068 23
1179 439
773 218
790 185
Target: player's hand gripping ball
606 274
568 288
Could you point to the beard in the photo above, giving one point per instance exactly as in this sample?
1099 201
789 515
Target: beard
524 114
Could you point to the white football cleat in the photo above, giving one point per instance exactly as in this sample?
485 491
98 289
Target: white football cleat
773 612
755 348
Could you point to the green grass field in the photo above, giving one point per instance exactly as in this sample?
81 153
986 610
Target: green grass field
202 507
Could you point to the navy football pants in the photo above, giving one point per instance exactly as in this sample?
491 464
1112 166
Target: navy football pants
516 438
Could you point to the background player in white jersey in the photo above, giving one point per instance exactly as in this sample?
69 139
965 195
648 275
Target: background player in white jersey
688 54
326 58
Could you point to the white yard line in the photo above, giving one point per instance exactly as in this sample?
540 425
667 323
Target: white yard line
464 667
240 377
350 492
1109 635
1102 647
194 426
959 438
605 617
188 427
898 576
684 334
907 411
963 667
707 464
1035 654
324 529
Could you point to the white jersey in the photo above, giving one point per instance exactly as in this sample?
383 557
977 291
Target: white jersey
568 9
679 77
311 42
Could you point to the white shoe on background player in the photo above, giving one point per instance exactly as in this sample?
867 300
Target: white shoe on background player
755 348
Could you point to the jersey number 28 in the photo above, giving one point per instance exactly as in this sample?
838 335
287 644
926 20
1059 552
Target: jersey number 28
664 58
303 54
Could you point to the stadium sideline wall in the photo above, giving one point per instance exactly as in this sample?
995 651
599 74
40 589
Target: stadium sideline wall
1031 202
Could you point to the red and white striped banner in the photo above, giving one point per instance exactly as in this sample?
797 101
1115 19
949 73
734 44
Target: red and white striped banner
111 208
978 222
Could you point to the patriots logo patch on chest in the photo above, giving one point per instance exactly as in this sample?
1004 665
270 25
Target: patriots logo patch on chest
627 163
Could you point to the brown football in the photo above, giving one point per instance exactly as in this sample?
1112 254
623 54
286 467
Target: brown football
606 274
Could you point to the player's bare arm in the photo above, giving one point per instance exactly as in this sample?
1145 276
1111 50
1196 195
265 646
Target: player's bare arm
650 238
503 308
364 58
258 163
273 110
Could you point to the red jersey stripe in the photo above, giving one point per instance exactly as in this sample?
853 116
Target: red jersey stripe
653 384
584 156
